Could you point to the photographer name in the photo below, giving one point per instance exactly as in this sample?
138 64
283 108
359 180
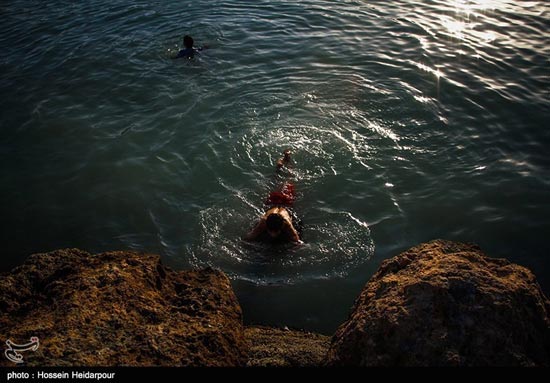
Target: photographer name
60 375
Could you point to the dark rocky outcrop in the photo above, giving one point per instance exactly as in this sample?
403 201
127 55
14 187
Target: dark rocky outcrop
446 304
272 347
120 308
438 304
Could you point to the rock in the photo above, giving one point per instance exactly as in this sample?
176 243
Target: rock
120 309
446 304
271 347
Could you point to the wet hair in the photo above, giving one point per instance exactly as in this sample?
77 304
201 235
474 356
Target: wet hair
188 41
286 152
274 222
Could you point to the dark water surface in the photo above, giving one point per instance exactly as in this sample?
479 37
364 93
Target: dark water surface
409 121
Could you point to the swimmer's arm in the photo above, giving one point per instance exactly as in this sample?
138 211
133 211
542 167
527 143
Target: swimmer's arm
255 233
292 233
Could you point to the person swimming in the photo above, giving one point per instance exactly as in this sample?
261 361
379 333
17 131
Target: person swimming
189 50
277 224
278 221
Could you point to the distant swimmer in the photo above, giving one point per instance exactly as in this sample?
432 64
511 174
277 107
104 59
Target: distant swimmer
189 50
277 223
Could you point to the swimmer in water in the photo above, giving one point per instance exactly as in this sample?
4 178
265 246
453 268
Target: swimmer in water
189 51
277 223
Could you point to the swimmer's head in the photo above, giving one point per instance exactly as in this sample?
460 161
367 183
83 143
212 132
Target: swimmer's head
287 153
274 225
187 41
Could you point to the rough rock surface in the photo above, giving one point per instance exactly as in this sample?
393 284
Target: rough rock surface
446 304
119 308
272 347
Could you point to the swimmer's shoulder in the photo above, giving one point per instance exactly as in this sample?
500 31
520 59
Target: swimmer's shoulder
272 210
187 53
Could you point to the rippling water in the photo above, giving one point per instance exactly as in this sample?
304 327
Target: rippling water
409 121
